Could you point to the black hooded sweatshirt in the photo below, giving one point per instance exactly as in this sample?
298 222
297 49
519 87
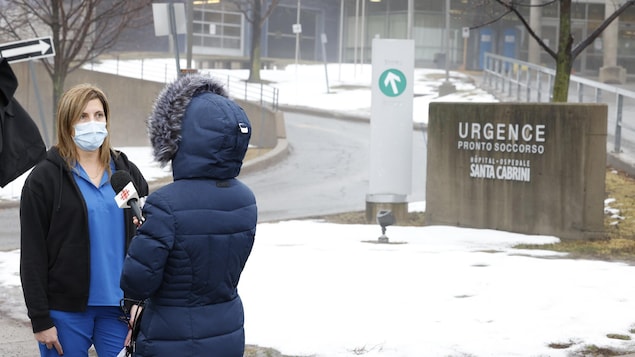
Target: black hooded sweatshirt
55 244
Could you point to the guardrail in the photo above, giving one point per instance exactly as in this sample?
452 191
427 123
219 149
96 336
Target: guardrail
524 81
164 71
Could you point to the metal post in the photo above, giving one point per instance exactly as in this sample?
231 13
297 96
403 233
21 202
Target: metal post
538 85
447 40
410 22
175 37
190 35
36 89
341 39
518 84
363 31
447 87
297 35
326 70
528 85
618 124
356 34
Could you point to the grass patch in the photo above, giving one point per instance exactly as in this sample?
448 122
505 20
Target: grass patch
257 351
618 336
595 351
619 225
561 345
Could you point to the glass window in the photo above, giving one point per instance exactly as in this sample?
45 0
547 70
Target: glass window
197 40
217 27
212 17
231 31
578 11
438 6
596 12
232 18
551 10
212 42
628 15
231 43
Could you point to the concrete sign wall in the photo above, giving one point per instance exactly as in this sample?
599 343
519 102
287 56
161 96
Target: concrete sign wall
528 168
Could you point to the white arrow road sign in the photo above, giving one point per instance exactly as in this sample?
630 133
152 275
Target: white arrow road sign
27 49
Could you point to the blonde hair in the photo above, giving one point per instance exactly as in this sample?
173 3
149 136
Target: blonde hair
69 109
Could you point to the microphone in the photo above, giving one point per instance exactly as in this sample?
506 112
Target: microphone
127 196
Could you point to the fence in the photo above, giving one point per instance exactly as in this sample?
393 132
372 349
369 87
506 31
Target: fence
523 81
164 71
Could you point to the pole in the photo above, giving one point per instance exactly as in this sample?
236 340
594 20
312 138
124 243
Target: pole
175 37
356 34
297 36
447 40
447 87
410 22
341 39
464 53
36 89
361 38
190 36
326 69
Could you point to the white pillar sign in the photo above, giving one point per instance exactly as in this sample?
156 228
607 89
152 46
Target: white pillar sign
391 120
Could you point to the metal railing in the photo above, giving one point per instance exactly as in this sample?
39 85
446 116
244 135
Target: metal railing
515 80
164 71
252 92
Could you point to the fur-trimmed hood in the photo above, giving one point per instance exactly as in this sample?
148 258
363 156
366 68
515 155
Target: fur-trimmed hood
196 126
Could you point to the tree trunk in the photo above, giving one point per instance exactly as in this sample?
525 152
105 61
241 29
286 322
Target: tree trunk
564 60
254 60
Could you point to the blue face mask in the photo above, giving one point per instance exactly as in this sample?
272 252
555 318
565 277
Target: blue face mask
89 136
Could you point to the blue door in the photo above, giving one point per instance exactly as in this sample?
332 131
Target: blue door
486 36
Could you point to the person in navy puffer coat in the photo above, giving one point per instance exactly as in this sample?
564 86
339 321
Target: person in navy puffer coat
188 255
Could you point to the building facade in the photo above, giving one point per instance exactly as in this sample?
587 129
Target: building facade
343 30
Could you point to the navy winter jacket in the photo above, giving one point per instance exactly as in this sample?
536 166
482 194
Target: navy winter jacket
188 255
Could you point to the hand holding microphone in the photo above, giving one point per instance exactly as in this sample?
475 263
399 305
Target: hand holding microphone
127 196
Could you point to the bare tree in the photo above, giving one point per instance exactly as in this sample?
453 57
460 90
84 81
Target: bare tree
256 12
566 52
81 29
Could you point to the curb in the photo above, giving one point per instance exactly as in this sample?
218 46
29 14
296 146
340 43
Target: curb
339 115
275 155
620 162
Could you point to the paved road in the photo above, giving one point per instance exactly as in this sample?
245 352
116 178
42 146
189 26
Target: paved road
326 170
9 228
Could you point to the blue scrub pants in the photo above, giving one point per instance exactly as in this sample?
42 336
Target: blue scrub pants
77 331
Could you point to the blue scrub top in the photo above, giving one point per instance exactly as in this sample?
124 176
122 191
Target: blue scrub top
107 238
